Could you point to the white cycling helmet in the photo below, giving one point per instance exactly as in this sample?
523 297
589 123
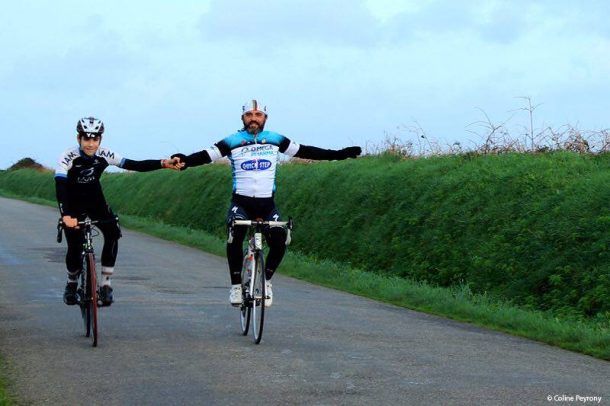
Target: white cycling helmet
90 127
253 105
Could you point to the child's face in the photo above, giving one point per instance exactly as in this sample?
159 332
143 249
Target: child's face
89 145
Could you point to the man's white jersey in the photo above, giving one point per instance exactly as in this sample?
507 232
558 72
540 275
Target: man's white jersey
253 160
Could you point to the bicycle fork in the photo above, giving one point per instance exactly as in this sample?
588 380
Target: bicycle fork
255 245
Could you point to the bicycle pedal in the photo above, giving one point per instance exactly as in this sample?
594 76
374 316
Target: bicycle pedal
104 304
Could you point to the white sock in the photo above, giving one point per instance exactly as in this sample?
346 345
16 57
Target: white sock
73 277
106 274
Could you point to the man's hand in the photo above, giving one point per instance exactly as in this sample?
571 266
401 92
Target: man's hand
350 152
172 163
70 222
181 159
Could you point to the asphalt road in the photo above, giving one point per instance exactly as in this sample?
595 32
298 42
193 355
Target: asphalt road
171 338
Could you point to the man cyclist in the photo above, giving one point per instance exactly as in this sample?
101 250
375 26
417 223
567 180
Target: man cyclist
253 153
79 194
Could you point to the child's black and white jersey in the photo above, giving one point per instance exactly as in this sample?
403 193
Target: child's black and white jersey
77 178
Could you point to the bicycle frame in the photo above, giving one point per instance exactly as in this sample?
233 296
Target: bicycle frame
88 290
253 289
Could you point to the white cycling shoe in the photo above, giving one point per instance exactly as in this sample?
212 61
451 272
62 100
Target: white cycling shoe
269 294
235 296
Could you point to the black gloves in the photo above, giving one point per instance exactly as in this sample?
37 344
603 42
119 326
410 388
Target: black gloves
182 159
349 152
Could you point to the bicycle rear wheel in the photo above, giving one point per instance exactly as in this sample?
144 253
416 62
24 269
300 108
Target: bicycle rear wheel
258 298
92 293
245 308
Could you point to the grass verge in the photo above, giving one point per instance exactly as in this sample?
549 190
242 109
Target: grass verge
459 303
5 398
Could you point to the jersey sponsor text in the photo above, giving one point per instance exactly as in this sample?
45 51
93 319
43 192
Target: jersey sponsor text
256 164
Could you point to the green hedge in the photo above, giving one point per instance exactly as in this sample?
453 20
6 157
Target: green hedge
531 229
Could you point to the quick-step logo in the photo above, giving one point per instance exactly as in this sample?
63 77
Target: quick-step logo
256 164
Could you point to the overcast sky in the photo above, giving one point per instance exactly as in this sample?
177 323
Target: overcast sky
168 76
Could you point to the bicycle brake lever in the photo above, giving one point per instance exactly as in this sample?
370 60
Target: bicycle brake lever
59 233
230 233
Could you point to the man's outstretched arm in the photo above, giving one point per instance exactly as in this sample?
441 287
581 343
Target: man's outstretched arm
320 154
150 164
206 156
196 159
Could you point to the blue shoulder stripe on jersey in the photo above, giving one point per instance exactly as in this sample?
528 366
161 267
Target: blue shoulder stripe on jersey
242 137
269 137
122 163
237 139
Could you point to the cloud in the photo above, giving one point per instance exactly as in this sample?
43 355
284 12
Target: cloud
279 23
493 21
503 23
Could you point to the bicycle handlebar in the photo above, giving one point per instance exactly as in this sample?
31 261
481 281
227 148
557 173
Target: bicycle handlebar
271 223
258 222
85 222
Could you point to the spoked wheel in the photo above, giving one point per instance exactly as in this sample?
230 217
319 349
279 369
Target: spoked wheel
83 303
258 299
245 308
244 317
92 293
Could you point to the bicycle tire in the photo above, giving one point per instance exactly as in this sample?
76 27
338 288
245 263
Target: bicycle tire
245 310
83 302
258 298
92 286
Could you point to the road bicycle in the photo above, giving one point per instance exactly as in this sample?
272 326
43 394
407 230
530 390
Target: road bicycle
87 291
253 286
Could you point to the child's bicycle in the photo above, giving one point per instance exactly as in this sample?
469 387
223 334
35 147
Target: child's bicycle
87 291
253 275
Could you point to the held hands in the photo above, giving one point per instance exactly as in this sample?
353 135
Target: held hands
181 159
350 152
172 163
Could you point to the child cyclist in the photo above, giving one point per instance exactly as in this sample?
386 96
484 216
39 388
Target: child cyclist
79 194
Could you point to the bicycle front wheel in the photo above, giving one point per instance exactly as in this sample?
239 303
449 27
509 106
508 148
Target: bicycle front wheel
258 297
92 293
83 302
245 308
